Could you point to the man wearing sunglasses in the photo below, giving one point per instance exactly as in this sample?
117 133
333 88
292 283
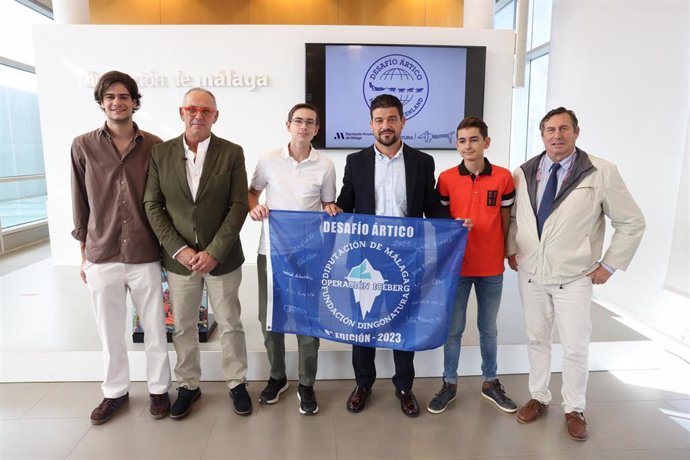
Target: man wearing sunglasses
196 202
296 177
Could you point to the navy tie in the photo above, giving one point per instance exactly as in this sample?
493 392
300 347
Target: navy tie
548 197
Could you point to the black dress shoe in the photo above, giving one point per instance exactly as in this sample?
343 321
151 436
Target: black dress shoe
358 398
183 404
408 403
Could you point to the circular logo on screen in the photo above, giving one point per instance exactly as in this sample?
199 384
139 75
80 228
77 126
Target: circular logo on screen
401 76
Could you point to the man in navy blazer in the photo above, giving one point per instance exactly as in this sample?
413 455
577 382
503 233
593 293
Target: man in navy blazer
387 179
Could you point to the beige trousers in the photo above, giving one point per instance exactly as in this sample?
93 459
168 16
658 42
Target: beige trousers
185 295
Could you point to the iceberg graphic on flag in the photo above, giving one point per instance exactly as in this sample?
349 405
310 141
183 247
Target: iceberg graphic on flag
366 296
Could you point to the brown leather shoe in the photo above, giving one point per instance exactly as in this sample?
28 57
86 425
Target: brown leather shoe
577 426
358 398
107 408
159 405
531 411
408 403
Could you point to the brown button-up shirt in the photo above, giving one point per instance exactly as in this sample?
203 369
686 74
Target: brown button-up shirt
107 193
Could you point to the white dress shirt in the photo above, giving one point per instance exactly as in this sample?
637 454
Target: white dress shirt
195 164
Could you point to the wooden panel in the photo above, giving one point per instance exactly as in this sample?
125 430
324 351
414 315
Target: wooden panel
205 11
432 13
382 12
125 11
294 12
444 13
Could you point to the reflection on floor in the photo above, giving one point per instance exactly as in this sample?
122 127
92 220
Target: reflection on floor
626 419
640 410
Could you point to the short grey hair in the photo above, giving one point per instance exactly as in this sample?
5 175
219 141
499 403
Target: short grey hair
203 90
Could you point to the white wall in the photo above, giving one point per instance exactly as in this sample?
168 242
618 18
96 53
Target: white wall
623 67
254 119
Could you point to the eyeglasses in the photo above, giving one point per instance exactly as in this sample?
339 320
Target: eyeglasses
193 110
300 121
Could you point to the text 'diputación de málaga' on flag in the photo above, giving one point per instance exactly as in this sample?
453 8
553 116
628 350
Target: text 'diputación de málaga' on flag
366 280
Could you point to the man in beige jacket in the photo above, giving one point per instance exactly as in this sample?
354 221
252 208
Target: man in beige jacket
555 244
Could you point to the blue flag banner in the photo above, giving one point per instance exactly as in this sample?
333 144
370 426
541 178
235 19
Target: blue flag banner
366 280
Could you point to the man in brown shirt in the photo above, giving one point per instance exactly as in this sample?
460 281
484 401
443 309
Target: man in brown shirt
119 251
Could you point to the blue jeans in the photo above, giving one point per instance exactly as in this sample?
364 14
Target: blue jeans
488 290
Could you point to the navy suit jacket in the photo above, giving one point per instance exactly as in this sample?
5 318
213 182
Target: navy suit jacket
358 195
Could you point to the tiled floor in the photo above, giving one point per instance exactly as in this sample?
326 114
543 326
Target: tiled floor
632 414
627 420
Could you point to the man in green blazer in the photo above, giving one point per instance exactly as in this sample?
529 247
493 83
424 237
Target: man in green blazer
196 202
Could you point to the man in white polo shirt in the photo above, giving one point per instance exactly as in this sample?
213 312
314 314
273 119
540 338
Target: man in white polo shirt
296 177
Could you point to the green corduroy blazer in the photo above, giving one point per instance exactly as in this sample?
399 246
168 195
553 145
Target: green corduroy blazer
211 222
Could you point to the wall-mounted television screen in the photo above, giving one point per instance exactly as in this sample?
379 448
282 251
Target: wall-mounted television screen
438 86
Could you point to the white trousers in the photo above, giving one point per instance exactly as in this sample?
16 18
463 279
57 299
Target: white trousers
108 284
568 306
223 294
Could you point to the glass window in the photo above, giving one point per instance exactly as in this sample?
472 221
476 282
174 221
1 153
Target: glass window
529 106
539 24
22 196
16 40
504 17
529 101
23 191
23 202
518 125
538 75
19 120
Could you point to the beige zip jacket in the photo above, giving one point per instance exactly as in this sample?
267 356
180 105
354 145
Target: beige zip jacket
573 234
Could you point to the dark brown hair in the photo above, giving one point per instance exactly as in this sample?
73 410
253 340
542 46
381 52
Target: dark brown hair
474 122
112 77
555 112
